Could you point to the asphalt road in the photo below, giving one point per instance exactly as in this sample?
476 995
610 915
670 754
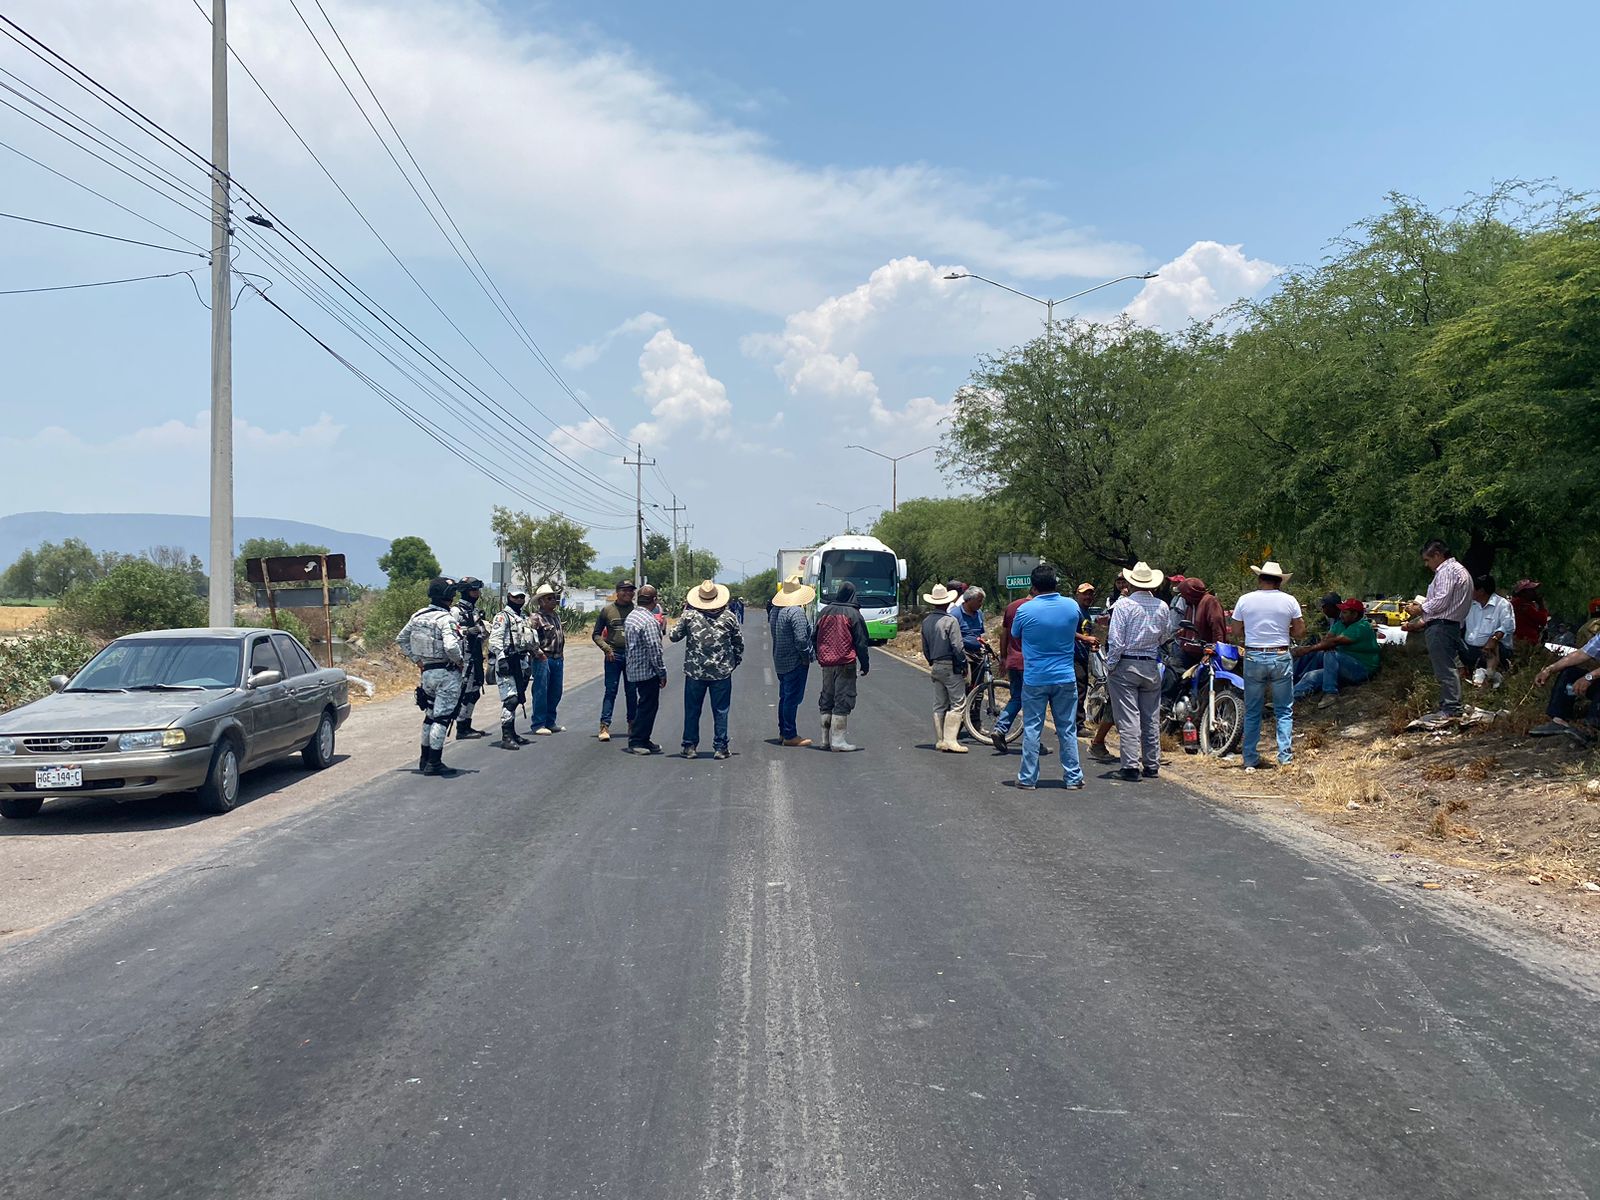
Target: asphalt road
576 973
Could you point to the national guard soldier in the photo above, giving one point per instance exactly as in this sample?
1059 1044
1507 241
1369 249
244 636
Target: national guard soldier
510 641
474 629
432 640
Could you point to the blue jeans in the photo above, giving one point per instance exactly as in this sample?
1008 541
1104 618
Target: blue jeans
694 694
1008 714
1332 668
547 680
791 691
1264 670
538 680
1062 700
615 677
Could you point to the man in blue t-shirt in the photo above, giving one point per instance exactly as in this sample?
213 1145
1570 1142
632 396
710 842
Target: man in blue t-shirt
1047 627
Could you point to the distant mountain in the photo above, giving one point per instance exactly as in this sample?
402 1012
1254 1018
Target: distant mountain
134 533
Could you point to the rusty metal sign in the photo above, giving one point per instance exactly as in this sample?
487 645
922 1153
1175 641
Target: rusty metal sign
297 568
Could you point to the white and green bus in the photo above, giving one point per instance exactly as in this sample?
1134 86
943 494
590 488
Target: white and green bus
872 567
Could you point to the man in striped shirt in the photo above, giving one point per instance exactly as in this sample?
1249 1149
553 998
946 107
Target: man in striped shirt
1441 618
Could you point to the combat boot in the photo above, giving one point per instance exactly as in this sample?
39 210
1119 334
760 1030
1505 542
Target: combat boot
422 763
464 730
508 738
518 738
436 766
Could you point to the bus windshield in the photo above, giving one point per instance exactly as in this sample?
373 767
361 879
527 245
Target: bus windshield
872 571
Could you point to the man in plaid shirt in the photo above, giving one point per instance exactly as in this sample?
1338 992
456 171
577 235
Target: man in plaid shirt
646 668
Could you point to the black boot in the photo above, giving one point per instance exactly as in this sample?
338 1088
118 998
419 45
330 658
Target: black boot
427 756
508 738
436 766
517 737
464 730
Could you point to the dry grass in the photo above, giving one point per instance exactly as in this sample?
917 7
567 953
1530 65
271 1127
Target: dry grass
16 618
1438 772
1480 768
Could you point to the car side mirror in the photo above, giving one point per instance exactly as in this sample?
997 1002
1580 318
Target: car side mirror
58 682
261 679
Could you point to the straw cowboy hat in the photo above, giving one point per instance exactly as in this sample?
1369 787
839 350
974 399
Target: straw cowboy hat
941 596
791 592
1274 569
708 597
1143 576
547 589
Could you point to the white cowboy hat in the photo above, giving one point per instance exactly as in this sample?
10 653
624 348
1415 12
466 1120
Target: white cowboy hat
1272 568
1143 576
941 596
791 592
709 596
547 589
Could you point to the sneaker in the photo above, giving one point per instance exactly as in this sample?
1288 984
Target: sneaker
1496 680
1480 677
1074 787
998 738
722 754
1100 753
1249 770
654 747
1549 729
797 741
1328 700
640 750
605 733
1026 787
688 752
1129 774
543 731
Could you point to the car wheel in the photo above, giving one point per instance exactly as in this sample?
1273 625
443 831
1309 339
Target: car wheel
318 752
220 792
21 810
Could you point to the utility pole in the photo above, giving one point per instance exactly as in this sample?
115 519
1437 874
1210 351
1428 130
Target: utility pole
674 510
639 463
689 545
220 593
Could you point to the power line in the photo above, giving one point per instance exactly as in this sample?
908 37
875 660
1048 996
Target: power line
118 105
93 233
101 195
72 287
502 306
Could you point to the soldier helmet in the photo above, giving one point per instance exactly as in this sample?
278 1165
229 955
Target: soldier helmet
470 583
442 590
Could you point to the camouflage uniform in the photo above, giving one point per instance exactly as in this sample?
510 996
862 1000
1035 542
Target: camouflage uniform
510 639
474 631
432 640
715 650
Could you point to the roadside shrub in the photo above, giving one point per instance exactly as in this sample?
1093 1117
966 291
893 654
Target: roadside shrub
133 596
389 611
27 663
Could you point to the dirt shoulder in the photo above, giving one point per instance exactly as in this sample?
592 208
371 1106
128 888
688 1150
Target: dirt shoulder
79 852
1483 811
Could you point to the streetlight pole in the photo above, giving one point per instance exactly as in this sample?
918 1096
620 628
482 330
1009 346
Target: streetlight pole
848 512
220 590
1049 305
894 470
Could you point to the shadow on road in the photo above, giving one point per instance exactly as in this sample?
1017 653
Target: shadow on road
101 813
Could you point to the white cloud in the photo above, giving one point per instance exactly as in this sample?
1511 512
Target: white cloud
584 164
680 391
1198 284
587 355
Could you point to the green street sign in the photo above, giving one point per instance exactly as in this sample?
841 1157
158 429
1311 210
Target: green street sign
1014 582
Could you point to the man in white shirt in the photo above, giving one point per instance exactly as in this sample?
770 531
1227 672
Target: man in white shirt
1490 626
1266 622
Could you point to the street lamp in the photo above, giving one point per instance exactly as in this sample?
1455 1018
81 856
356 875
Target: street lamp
849 513
894 470
1049 305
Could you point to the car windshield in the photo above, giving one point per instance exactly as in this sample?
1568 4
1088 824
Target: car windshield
872 571
158 664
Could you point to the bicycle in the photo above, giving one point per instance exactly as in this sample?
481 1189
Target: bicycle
987 698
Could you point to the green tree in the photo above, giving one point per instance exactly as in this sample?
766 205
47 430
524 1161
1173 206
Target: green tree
407 560
59 567
552 550
21 578
135 596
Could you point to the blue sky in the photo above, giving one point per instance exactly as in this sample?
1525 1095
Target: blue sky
726 226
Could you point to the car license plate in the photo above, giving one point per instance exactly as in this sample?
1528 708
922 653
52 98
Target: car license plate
58 777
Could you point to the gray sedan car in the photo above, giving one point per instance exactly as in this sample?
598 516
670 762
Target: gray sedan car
169 711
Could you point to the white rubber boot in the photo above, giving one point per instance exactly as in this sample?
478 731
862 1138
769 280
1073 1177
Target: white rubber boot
952 734
938 732
827 731
836 739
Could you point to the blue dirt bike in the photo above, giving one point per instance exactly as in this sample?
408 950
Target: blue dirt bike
1205 710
